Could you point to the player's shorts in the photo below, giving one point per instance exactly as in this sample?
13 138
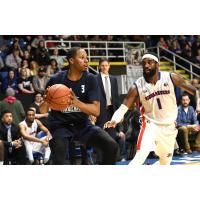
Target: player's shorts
158 138
80 132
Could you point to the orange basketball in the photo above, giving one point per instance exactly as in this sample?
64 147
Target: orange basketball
58 97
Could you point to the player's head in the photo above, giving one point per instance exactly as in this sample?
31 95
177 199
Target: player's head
150 65
77 59
30 115
6 117
104 65
185 100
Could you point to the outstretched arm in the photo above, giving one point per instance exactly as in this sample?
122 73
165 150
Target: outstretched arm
179 81
127 103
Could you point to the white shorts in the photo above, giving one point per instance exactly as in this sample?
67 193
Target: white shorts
32 147
158 138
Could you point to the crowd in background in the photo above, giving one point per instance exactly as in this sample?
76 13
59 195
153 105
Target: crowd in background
26 66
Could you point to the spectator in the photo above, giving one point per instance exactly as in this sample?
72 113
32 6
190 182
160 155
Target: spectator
14 150
176 47
58 58
162 43
52 68
187 124
36 40
10 82
14 105
25 83
25 65
42 57
33 68
40 81
13 61
38 99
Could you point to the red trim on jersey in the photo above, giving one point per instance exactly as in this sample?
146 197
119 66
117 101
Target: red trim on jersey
142 129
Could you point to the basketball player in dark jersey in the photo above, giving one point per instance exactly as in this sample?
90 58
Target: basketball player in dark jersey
74 120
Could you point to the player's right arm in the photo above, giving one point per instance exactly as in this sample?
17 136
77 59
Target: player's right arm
30 137
121 111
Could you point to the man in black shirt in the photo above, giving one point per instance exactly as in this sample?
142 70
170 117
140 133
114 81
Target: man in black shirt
74 120
14 150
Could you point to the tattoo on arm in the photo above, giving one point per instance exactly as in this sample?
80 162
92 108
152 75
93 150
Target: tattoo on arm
179 81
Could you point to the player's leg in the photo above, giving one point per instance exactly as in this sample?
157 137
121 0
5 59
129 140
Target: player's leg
29 151
47 153
99 139
59 148
166 138
145 143
1 152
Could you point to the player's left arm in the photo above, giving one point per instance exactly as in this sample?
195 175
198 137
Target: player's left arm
42 127
92 108
179 81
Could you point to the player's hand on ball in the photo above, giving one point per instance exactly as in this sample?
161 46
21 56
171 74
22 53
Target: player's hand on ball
72 98
110 124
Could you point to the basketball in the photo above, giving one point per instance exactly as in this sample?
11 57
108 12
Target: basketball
58 97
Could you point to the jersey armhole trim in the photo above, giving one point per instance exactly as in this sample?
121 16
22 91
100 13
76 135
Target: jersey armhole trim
170 75
137 91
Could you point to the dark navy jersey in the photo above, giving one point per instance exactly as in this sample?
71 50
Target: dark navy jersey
85 89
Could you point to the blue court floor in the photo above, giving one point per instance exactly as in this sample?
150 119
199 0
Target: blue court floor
189 159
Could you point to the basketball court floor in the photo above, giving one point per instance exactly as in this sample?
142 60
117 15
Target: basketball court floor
189 159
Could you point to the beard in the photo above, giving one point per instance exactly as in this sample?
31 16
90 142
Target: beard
150 74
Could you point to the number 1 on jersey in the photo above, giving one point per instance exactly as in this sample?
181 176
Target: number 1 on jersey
159 103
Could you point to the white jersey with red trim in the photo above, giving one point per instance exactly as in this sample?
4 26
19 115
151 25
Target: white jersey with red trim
30 130
159 100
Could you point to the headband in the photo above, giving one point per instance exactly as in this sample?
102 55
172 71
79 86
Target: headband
150 56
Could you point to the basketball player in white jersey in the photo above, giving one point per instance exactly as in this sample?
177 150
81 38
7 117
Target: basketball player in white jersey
28 129
158 107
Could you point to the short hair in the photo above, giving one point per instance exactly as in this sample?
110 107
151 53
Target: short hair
71 53
103 60
5 112
10 92
30 109
184 95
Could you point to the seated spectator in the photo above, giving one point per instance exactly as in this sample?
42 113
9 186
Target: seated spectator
176 48
25 65
52 68
42 57
162 43
9 82
187 124
14 105
25 83
38 99
14 150
40 81
27 56
28 130
58 58
33 68
13 60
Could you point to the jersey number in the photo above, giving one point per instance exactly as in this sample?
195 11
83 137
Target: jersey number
159 103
